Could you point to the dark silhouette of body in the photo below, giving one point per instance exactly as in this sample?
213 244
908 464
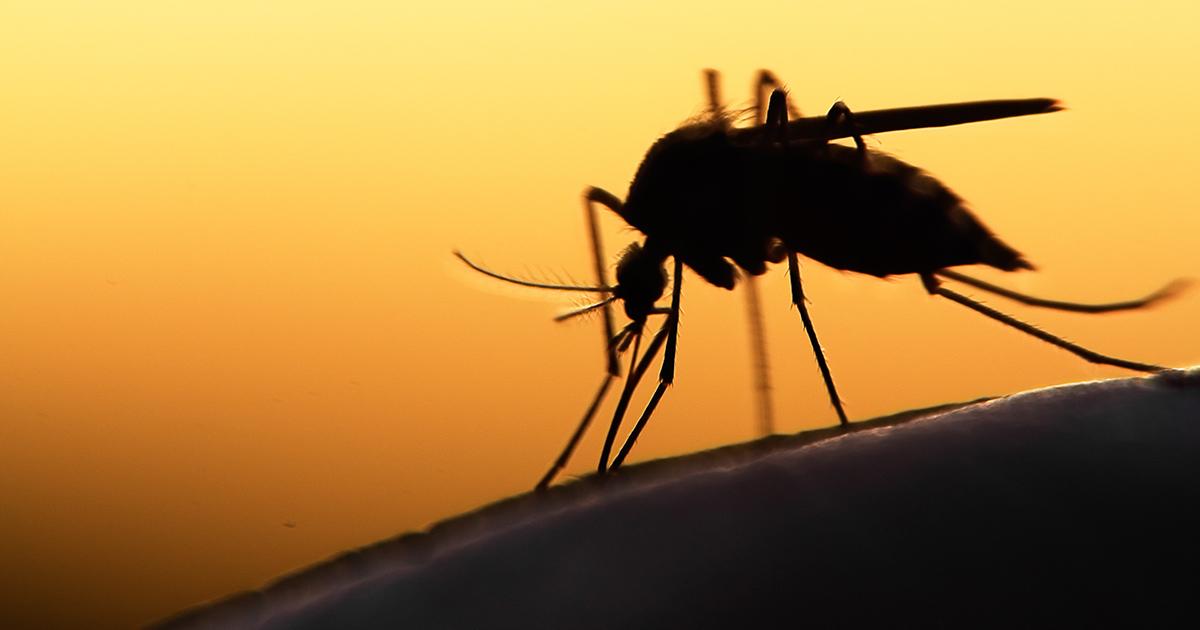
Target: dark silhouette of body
711 196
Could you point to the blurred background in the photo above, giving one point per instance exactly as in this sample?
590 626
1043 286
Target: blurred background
233 340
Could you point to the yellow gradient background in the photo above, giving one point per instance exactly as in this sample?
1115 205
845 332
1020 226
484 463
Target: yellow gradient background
227 300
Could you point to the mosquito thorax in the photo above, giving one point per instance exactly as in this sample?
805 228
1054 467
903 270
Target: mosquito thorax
641 281
688 179
691 199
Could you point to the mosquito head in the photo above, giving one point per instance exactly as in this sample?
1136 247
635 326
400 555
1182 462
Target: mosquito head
641 281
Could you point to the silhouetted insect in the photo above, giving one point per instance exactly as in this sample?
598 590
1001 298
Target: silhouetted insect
710 193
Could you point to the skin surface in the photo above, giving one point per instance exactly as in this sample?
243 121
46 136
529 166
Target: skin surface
1068 503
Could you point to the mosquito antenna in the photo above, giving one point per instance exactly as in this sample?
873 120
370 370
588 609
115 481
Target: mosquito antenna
1170 290
584 309
530 283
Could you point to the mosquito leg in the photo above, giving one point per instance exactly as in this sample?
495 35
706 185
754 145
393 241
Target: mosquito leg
637 428
776 131
758 354
636 370
620 342
934 287
641 423
840 114
591 197
666 373
777 118
565 456
798 300
1169 291
766 83
712 84
626 392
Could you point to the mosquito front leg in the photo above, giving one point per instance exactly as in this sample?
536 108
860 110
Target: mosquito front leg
631 381
619 342
798 300
934 287
758 355
593 196
636 370
565 456
637 428
666 373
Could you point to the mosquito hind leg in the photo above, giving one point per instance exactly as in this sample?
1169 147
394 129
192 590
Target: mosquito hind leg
934 287
1170 290
798 300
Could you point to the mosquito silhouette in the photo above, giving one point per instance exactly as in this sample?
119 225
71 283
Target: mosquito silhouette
715 197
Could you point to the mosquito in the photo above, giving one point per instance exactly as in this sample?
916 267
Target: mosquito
717 198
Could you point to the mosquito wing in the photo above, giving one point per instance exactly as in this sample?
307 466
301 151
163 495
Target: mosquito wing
817 128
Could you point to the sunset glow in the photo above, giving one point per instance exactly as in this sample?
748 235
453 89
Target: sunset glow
229 301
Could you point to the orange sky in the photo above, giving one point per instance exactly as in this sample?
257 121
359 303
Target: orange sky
228 300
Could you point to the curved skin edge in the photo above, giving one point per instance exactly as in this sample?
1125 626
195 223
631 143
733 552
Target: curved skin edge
414 547
410 551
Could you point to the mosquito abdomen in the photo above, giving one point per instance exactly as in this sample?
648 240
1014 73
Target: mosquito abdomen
881 216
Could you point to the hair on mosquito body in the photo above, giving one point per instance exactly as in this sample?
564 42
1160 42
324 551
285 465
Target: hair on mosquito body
727 201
